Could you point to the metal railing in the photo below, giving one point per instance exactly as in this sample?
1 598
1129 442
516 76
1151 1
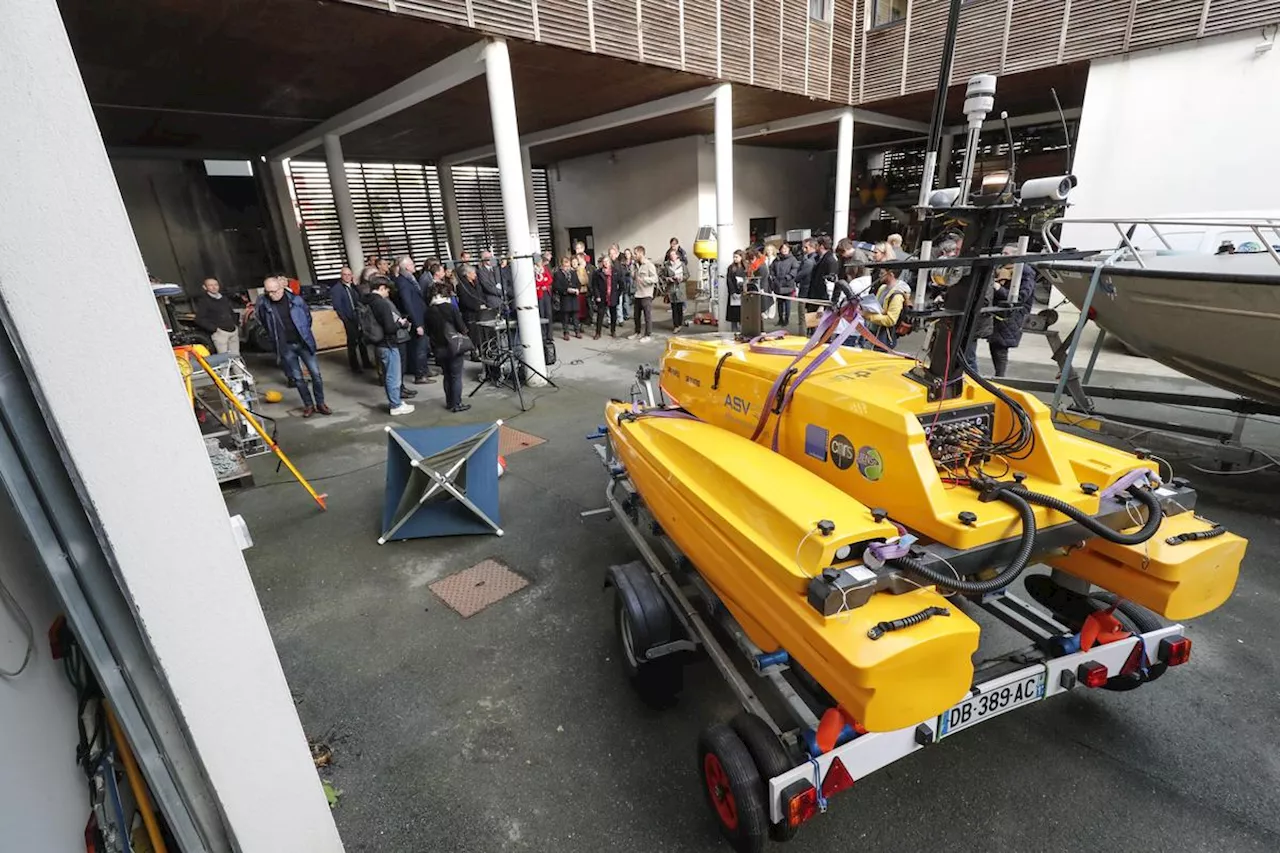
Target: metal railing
1125 225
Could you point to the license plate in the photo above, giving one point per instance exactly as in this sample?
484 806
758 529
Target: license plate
992 702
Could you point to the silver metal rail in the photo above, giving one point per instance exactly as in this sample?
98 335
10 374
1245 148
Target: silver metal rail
1122 225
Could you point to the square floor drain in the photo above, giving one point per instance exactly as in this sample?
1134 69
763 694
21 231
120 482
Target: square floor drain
472 590
513 440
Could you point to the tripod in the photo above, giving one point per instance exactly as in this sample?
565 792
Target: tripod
500 363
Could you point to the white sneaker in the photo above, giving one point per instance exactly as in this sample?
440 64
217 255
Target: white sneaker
645 339
403 409
633 337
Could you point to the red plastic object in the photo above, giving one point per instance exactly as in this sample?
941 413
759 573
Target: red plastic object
802 806
1175 651
1092 674
721 795
837 779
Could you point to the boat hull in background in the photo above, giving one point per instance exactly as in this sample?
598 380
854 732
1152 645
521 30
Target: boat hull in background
1214 318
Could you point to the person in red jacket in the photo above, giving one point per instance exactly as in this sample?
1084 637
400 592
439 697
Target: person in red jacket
542 288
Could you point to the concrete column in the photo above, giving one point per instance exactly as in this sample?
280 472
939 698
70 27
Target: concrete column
161 517
515 209
844 175
726 239
289 218
944 159
337 166
526 167
449 198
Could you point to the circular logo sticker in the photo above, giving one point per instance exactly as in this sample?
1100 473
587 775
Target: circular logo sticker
842 452
870 463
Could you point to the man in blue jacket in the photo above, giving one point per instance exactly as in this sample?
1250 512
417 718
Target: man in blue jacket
288 320
410 301
345 297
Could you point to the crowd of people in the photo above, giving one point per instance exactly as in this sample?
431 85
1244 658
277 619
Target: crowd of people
424 323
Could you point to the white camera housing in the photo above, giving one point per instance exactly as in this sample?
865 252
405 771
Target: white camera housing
1056 188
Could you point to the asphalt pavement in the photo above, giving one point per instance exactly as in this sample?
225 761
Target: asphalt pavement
515 730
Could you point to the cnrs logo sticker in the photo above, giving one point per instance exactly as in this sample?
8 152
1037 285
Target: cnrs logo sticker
842 452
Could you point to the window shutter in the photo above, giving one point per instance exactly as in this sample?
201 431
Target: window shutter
399 211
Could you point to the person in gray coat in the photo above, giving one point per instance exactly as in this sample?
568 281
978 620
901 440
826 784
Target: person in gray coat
782 281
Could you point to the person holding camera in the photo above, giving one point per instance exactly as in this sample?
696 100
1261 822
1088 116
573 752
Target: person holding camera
395 332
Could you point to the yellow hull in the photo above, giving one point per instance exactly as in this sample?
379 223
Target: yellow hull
857 423
746 518
1180 581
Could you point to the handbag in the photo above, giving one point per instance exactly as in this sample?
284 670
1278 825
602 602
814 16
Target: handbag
459 344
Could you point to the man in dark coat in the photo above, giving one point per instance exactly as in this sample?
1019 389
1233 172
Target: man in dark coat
826 266
1006 330
216 315
412 305
490 278
287 319
344 298
782 281
471 304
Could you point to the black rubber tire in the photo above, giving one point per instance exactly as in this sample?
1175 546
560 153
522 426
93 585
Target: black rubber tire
657 682
1138 620
771 760
733 795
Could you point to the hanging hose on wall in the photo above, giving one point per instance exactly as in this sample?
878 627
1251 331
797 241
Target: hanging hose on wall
1006 576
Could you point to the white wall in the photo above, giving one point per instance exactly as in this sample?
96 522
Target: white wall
643 196
176 560
651 193
43 799
1183 129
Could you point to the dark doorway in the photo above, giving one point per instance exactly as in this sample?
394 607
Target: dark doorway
588 240
761 229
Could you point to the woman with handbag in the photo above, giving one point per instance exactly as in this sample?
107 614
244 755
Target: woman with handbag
450 341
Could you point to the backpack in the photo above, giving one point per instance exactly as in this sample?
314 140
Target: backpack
370 329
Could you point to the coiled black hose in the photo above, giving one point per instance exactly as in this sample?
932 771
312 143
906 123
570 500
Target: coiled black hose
1006 576
1197 535
1155 515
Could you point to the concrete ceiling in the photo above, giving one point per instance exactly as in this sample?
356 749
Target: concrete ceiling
241 77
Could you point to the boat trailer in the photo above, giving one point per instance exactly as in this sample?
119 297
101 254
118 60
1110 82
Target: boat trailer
763 772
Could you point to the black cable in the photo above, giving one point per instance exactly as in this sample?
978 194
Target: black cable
1006 576
1155 514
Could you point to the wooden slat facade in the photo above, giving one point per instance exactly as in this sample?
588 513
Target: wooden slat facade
775 43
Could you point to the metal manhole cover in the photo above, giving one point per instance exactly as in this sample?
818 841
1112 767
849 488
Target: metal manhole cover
513 440
472 590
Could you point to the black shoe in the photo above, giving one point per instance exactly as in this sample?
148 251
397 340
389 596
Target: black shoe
423 380
408 392
461 407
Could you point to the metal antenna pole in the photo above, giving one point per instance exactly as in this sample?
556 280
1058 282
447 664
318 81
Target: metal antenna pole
940 104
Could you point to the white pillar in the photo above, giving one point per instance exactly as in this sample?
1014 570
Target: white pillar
844 175
944 159
337 166
176 561
289 217
515 210
449 199
526 167
726 239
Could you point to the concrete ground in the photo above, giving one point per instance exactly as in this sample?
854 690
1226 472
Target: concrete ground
515 729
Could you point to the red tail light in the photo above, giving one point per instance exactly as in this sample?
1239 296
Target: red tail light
1175 650
837 779
802 802
1092 674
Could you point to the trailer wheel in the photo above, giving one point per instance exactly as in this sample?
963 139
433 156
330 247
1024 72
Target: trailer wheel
771 760
732 784
659 681
1138 620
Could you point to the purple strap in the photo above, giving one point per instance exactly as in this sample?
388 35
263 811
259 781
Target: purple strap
855 323
1137 475
825 326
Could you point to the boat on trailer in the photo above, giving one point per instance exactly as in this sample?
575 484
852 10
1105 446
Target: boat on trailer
1214 317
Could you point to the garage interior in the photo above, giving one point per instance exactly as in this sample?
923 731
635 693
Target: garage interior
510 729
